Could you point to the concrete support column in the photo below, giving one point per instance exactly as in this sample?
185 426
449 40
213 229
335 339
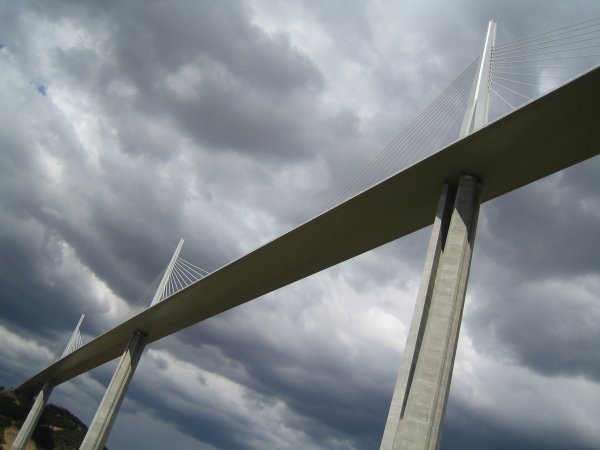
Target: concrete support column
97 434
421 392
33 417
419 318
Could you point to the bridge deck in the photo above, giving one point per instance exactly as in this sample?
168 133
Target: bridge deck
549 134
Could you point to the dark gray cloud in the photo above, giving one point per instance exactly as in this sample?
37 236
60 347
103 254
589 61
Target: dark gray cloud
537 293
241 92
465 429
228 124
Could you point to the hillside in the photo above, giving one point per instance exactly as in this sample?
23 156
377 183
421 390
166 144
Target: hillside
57 429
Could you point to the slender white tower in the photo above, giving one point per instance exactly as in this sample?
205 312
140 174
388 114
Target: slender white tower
163 283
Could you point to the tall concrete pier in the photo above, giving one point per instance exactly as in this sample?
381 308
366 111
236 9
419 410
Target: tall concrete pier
419 401
103 420
28 427
421 393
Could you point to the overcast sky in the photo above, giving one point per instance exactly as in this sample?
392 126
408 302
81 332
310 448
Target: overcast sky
127 125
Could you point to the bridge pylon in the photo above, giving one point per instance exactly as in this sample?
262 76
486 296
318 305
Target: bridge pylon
105 416
420 396
28 427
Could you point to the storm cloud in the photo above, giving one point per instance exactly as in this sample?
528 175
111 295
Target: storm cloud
127 125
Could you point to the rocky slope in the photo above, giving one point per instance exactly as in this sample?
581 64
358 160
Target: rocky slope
57 429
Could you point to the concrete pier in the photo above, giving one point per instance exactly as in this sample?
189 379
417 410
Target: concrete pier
103 420
419 319
33 417
421 392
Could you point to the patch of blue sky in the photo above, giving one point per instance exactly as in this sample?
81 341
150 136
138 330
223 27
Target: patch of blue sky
40 87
